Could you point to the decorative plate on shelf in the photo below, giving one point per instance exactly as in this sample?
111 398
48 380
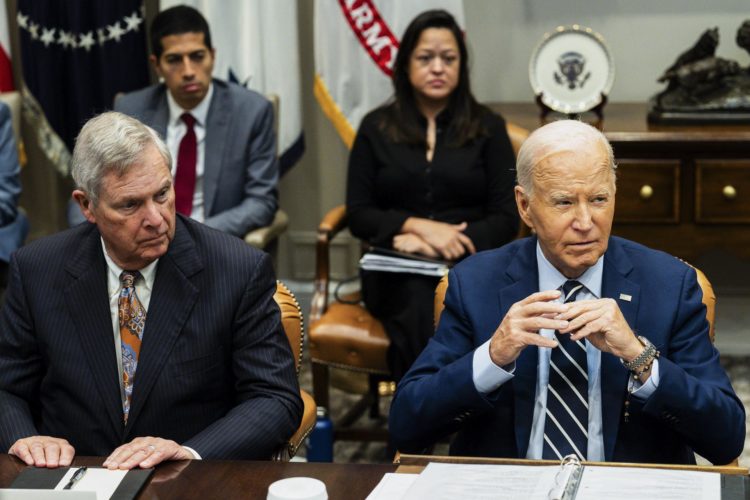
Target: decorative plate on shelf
571 68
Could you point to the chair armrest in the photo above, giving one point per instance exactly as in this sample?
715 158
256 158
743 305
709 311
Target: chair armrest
305 427
333 223
261 237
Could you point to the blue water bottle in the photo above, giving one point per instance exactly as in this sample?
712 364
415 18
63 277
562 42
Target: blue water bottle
320 441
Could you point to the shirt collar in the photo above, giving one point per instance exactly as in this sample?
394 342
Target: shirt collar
552 279
148 272
442 118
200 112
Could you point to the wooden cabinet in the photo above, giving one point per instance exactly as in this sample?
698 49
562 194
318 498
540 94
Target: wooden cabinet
681 189
722 192
648 192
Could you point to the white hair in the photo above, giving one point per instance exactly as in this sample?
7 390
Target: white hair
111 142
555 137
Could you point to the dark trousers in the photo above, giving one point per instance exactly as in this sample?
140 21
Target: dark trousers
404 303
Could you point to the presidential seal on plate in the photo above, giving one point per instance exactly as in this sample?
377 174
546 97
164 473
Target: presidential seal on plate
572 70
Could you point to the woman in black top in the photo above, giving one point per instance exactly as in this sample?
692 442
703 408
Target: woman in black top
430 173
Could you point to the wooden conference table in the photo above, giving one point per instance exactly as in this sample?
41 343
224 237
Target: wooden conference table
199 479
250 480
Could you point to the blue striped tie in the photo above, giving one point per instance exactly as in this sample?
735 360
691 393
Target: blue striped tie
566 422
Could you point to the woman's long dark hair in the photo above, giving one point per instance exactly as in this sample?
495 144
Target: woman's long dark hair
401 120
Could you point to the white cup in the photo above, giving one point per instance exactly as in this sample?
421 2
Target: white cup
297 488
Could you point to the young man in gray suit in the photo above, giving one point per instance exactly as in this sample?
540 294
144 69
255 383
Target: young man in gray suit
142 336
226 171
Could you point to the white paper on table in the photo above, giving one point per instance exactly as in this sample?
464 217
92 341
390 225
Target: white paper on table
393 486
480 482
98 479
627 483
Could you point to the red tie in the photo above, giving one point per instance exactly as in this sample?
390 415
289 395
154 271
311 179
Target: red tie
184 183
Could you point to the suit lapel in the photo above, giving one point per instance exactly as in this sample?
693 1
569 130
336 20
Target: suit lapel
524 273
89 308
626 293
159 113
217 131
173 298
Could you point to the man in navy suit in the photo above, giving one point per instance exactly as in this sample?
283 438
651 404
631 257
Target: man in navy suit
234 188
214 376
499 372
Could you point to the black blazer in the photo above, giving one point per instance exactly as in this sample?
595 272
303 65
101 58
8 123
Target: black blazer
215 371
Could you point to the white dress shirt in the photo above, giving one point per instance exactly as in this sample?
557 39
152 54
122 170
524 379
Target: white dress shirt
176 130
488 376
143 288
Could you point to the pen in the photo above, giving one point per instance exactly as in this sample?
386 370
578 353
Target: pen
77 476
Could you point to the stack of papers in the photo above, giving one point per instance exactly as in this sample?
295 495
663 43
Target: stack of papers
440 481
393 264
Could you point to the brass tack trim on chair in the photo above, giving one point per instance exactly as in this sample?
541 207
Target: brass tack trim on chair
295 302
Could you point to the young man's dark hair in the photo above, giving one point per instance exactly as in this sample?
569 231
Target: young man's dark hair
176 21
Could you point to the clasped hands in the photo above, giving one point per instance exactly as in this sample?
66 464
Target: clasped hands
144 452
433 239
598 320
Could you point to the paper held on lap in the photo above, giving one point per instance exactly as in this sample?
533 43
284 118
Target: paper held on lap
390 261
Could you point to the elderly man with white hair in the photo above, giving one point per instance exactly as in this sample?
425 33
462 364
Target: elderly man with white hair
571 341
142 335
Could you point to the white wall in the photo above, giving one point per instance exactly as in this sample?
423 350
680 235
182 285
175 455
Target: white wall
644 36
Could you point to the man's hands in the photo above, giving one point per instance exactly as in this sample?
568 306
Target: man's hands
602 323
145 452
448 240
51 452
43 451
520 326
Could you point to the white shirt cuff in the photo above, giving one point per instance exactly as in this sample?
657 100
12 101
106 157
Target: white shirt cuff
643 391
487 376
195 453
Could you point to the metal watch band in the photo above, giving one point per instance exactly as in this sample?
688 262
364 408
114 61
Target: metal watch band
644 358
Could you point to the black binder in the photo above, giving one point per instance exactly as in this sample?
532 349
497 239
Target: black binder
34 478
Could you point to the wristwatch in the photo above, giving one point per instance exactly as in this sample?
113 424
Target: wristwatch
643 361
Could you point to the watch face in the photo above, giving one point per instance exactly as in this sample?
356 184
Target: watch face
571 68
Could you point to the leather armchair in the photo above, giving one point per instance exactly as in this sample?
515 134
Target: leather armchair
292 320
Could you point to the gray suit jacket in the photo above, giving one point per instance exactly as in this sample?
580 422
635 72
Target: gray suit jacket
215 371
13 223
241 169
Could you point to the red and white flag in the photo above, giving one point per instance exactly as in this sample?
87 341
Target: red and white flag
356 42
6 70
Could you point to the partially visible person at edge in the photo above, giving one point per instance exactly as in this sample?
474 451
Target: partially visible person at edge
430 173
14 225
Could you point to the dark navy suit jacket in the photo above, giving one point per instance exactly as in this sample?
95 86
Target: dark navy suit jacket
241 172
215 371
694 407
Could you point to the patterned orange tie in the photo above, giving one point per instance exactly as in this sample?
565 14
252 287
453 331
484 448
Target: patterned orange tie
132 316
